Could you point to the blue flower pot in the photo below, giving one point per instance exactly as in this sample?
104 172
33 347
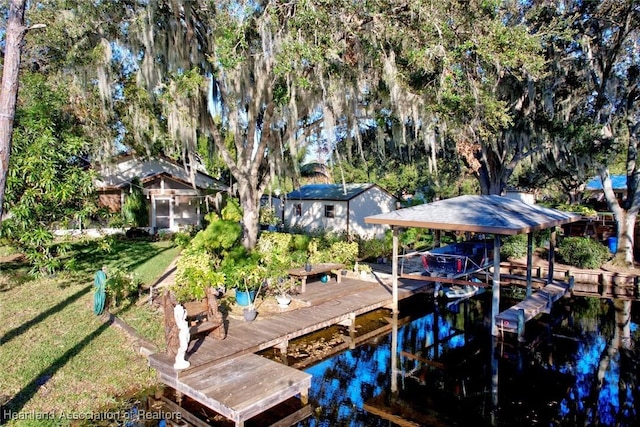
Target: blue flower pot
244 298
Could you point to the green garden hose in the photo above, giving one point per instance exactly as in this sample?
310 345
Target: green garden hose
99 295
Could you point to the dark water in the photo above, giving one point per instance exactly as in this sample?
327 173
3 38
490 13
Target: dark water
575 369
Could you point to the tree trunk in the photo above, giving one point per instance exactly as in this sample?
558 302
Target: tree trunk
250 215
626 230
625 222
490 182
9 93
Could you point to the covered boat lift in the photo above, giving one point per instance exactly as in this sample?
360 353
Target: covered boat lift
492 214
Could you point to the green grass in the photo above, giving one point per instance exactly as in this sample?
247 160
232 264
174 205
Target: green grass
56 354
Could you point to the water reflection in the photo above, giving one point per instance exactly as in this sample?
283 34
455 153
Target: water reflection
449 370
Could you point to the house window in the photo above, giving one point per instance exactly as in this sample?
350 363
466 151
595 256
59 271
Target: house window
297 209
329 211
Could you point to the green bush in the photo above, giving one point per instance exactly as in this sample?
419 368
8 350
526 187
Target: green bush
135 211
121 286
182 238
270 241
194 273
412 237
267 215
582 252
342 252
514 246
219 236
301 242
371 249
232 211
242 268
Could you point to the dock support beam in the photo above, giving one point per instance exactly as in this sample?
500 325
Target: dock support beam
495 302
529 261
521 325
394 270
552 254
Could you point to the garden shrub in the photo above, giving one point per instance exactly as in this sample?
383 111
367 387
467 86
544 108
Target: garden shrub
514 246
270 241
194 273
582 252
412 237
219 236
121 286
268 216
135 210
232 211
300 242
342 252
182 238
371 249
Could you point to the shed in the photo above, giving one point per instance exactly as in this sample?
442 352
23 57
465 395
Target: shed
175 193
338 208
495 215
594 190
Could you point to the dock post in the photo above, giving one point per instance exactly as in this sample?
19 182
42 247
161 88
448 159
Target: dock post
572 282
551 257
495 299
529 262
394 268
283 347
520 331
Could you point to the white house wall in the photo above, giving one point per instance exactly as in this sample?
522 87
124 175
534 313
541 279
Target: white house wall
313 219
370 202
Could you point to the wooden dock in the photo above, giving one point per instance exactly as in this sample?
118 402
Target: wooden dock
229 366
242 387
513 319
590 283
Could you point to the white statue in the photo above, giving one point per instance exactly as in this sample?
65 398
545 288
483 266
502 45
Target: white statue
180 314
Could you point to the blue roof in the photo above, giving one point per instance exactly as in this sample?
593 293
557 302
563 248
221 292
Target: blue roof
619 182
328 191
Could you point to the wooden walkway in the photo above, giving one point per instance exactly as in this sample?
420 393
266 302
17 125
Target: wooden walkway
243 387
213 372
514 318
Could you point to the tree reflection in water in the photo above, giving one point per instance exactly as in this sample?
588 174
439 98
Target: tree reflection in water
584 371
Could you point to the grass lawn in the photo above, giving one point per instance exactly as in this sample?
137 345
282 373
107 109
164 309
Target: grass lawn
57 356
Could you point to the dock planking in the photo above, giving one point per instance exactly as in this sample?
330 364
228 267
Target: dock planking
322 311
242 387
512 320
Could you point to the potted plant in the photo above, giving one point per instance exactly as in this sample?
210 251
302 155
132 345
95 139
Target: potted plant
252 278
279 286
245 278
281 289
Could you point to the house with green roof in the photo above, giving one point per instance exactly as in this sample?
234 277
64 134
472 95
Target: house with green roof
338 208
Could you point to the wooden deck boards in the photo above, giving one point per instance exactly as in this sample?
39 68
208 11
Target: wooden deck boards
329 304
538 302
242 387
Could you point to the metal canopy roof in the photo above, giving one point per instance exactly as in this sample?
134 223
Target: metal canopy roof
328 191
480 214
